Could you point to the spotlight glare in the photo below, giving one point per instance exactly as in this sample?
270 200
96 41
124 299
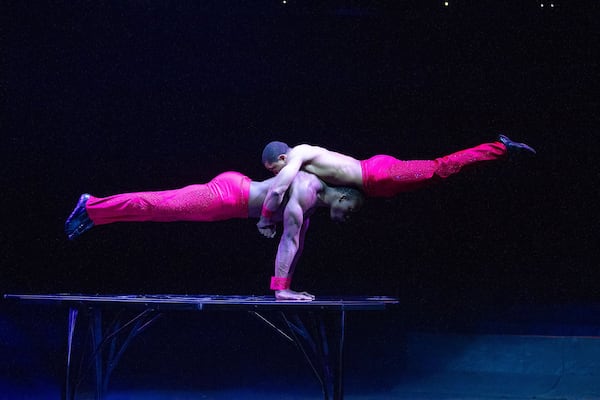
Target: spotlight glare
446 3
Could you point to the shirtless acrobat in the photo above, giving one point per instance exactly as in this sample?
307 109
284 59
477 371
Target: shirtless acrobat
227 196
378 176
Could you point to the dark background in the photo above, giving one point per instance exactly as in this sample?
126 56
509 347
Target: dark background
108 97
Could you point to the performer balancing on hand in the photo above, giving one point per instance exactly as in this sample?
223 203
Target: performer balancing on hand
229 195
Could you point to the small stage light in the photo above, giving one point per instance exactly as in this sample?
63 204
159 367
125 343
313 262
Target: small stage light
446 3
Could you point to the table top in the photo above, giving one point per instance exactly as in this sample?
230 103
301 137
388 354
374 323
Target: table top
209 301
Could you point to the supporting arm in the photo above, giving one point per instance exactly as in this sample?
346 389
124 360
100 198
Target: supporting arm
289 252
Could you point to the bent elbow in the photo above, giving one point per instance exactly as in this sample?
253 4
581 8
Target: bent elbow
277 193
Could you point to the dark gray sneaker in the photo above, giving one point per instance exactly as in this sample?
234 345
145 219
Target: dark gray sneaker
515 148
79 221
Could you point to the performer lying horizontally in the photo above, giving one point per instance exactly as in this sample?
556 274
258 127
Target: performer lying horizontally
229 195
379 176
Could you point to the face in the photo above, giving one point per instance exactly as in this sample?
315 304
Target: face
343 209
276 166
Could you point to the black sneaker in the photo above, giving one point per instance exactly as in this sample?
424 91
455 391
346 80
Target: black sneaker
515 148
79 221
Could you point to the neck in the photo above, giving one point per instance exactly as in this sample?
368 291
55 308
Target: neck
327 196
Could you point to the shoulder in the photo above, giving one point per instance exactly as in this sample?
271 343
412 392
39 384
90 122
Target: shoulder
304 187
305 178
306 151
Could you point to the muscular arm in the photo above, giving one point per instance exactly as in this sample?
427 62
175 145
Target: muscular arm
290 250
303 230
275 196
290 240
280 185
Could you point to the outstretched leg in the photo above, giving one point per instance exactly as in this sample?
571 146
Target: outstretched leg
386 176
225 197
191 203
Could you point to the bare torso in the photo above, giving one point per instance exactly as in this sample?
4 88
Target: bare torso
334 168
303 190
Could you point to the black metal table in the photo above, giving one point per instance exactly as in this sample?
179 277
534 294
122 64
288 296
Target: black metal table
316 327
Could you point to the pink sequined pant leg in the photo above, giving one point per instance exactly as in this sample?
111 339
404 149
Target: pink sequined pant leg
386 176
224 197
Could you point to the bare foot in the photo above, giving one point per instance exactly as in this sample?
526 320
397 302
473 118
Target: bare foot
292 295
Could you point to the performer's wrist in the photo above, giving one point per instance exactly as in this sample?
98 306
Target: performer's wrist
280 283
266 213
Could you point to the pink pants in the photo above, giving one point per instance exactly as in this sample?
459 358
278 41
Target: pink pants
224 197
385 176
